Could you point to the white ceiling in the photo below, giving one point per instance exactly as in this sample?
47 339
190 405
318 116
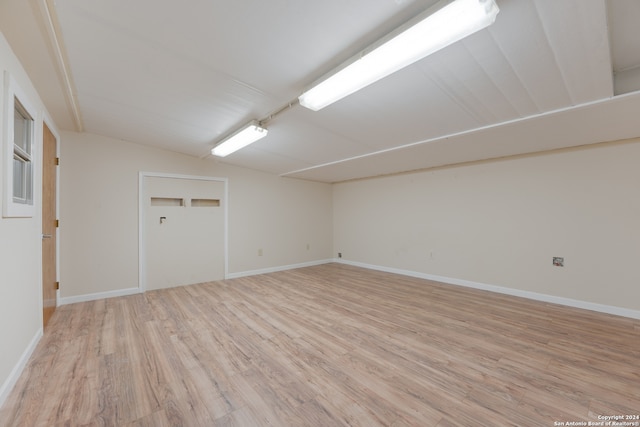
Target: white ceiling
548 74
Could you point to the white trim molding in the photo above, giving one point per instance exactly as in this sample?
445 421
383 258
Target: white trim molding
13 377
134 291
97 296
59 52
14 95
276 269
585 305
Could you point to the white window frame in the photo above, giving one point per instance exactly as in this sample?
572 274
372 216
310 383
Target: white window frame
12 206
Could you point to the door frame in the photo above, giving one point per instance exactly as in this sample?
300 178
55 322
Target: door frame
46 120
142 267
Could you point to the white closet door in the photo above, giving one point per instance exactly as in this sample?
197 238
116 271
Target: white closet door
184 231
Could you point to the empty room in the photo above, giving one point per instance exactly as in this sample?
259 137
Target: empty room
336 213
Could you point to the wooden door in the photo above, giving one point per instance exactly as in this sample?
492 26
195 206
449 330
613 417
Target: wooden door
49 275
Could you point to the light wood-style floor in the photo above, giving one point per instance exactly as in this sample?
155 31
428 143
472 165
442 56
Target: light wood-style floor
331 345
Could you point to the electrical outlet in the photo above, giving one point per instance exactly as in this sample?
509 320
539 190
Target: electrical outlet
260 252
558 261
339 254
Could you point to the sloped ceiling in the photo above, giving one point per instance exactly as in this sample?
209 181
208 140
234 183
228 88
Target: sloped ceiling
547 74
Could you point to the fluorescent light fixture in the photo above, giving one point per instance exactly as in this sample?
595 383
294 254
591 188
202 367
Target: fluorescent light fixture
441 25
240 139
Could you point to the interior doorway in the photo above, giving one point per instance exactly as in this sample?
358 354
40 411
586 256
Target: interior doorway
49 224
183 225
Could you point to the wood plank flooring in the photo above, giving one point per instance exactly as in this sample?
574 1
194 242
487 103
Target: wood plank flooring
331 345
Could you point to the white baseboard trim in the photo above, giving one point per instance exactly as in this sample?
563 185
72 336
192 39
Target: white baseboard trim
99 295
276 269
618 311
133 291
18 368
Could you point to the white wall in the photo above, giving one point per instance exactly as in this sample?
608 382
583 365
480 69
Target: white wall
501 222
20 250
99 213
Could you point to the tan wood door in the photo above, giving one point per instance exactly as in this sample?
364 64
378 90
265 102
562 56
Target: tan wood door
49 284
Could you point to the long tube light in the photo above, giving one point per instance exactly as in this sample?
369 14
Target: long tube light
240 139
439 26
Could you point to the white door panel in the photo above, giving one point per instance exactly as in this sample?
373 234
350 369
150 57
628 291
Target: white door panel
184 231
